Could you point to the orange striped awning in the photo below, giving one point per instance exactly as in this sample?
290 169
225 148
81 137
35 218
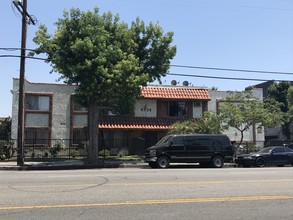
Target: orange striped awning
112 122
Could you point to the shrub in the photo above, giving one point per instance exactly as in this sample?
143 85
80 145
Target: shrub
123 152
55 149
104 153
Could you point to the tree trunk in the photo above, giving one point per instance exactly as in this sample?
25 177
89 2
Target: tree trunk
93 128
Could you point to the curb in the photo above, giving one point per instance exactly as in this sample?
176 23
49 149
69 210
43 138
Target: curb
68 166
92 166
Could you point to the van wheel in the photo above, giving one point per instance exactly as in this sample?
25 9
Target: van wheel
152 164
163 162
218 162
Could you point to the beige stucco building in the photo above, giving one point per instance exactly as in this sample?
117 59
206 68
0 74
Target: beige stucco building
51 113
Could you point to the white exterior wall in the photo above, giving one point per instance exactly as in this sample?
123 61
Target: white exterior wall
232 133
197 110
146 108
60 107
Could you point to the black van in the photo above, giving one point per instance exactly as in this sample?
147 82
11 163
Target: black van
206 149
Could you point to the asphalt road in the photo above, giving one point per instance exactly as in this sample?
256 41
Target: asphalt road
142 193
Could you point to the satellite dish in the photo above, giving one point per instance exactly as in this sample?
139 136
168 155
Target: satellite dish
173 82
185 83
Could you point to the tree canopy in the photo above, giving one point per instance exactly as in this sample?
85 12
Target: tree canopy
107 59
290 102
279 94
5 129
241 110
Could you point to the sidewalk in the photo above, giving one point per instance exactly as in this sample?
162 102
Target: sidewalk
79 164
68 164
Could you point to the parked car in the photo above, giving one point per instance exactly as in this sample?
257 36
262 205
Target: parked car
279 142
277 155
205 149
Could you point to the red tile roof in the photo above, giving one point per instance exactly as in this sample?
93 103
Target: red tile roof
112 122
171 92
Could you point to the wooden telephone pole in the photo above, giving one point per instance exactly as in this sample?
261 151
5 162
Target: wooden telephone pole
22 7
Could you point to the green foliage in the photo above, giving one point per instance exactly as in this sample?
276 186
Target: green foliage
241 110
46 155
123 152
5 129
290 101
56 148
106 58
290 96
280 93
73 153
210 123
2 156
104 153
6 149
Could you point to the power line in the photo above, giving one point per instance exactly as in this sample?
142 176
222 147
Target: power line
184 74
234 70
14 49
219 77
27 57
194 67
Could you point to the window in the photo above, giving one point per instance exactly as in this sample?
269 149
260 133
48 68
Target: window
177 108
197 104
177 140
80 135
78 107
38 119
199 143
36 136
278 150
36 102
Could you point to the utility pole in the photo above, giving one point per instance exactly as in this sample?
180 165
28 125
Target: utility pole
22 7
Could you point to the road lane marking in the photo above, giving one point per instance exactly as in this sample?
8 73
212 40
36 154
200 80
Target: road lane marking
199 183
147 183
48 186
152 202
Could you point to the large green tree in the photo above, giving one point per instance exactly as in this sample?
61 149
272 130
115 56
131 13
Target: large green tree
290 100
108 59
241 110
278 92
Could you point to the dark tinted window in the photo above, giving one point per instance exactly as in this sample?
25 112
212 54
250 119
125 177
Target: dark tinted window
288 150
278 150
177 140
198 143
265 150
164 140
204 143
177 143
190 141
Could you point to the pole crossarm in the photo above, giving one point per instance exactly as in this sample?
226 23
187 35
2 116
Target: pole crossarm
20 7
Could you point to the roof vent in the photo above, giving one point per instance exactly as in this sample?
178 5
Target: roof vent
173 82
185 83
